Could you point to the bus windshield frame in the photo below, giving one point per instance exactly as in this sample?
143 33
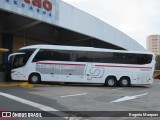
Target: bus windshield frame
21 58
18 61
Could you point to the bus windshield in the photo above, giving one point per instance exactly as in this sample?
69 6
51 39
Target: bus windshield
21 59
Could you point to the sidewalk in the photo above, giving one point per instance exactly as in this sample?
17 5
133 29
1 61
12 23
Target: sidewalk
10 83
21 84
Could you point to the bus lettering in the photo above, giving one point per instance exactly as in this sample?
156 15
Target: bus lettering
56 67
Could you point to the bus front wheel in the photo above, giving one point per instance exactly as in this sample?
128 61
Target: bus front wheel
34 78
111 82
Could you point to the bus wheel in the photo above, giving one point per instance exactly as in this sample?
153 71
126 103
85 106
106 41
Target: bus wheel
124 82
34 78
111 82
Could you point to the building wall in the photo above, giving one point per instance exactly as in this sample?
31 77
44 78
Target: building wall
0 47
71 18
19 42
0 40
153 44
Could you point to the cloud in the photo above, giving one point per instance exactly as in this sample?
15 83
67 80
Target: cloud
73 1
127 27
136 18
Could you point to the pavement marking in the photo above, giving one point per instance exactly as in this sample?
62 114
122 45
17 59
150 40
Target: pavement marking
74 95
24 101
128 98
37 105
30 103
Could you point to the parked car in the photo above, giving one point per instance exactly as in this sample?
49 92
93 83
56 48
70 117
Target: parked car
156 74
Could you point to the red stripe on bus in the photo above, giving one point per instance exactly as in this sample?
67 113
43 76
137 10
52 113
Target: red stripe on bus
123 66
61 64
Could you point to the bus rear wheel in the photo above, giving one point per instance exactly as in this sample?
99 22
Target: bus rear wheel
111 82
34 78
124 82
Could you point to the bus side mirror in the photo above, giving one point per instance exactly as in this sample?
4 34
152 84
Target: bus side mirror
9 57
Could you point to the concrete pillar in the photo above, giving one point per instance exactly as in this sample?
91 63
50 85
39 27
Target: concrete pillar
7 42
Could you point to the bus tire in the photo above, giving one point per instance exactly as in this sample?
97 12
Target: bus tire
34 78
124 82
111 82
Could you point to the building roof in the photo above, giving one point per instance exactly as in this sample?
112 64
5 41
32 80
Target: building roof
63 15
84 23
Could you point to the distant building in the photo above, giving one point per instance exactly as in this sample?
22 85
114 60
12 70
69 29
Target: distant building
153 44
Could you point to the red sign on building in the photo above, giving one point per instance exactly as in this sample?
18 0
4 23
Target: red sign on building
46 4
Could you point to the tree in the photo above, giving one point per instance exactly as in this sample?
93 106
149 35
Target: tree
157 66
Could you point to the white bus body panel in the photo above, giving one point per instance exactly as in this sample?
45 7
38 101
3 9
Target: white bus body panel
82 72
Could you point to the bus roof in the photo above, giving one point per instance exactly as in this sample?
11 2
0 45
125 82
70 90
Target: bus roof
63 47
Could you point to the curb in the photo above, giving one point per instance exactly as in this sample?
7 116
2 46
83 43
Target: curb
25 84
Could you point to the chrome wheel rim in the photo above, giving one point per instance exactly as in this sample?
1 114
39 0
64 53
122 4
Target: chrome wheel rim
125 82
111 82
34 78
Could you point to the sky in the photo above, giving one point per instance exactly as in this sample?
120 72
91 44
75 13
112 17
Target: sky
136 18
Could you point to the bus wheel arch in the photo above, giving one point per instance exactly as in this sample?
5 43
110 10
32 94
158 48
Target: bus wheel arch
34 78
111 81
124 81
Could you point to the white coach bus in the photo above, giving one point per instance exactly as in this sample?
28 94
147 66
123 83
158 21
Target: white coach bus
38 63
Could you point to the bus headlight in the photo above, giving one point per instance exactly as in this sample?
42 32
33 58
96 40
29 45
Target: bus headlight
13 71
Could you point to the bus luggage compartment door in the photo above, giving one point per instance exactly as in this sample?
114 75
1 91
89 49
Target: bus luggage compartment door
136 78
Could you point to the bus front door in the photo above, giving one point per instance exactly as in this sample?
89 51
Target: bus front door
17 72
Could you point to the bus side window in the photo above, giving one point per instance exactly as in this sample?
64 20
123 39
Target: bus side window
39 56
61 55
144 59
83 56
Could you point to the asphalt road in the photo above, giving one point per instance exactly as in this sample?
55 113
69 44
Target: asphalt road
96 99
